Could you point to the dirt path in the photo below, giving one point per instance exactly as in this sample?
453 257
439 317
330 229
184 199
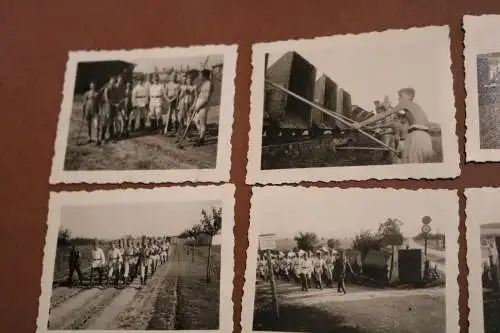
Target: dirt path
131 307
138 311
77 311
312 298
361 310
436 257
62 294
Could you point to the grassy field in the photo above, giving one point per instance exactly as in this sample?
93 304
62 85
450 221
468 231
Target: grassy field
198 300
142 151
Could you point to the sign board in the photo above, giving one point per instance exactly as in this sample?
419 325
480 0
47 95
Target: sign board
267 242
426 228
426 220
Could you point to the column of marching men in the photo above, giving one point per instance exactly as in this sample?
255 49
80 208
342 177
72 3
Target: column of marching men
123 262
306 269
118 109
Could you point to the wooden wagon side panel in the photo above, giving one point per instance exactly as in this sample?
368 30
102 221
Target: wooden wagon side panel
295 73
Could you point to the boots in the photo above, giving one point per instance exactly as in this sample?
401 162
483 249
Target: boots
199 142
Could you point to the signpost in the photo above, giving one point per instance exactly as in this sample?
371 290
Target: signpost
426 229
267 242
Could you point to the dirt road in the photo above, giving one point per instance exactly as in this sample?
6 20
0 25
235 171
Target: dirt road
101 309
175 297
361 310
436 257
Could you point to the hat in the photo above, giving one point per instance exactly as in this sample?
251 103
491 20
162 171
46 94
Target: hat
407 91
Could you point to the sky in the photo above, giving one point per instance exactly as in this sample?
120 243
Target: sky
344 213
148 65
482 206
370 68
118 220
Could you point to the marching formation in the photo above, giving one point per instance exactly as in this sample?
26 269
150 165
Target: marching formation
323 269
121 107
122 263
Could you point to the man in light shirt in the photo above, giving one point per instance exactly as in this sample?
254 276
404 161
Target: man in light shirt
296 267
114 260
418 142
97 264
319 264
156 95
304 271
128 257
143 262
140 97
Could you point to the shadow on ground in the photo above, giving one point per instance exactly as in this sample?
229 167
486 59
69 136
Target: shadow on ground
292 319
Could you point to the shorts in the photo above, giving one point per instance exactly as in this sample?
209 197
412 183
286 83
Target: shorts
201 117
110 111
115 267
155 110
96 264
126 268
141 102
172 105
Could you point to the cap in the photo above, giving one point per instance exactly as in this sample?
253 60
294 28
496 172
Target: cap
407 91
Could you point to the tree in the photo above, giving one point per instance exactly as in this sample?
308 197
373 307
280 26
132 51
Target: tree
210 225
64 237
194 233
390 232
366 241
333 243
185 234
306 241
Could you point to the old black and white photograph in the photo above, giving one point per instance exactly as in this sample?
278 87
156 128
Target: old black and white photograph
482 80
146 116
352 261
139 260
483 252
376 105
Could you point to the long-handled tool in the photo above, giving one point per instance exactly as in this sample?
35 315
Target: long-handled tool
179 144
331 114
167 118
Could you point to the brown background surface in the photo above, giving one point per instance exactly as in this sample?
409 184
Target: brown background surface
37 35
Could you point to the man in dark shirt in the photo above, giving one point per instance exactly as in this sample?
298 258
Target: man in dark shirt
340 268
74 265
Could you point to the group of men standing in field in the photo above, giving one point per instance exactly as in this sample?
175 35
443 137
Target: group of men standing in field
118 108
123 262
306 269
